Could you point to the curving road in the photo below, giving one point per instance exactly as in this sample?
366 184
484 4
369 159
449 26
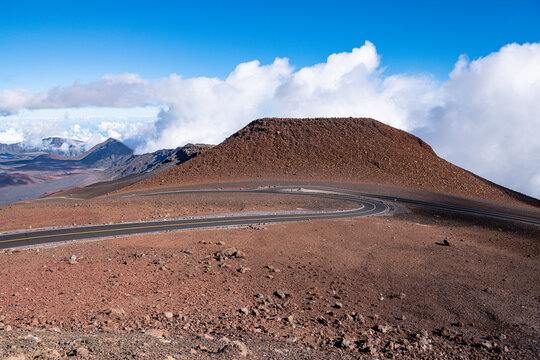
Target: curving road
369 204
366 207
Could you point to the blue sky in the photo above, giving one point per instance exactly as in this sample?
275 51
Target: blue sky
50 43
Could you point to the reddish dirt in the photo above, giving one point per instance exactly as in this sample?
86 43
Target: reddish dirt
419 285
330 149
476 298
70 212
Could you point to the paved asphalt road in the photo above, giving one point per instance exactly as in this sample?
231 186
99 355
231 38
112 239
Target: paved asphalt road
369 204
440 206
366 207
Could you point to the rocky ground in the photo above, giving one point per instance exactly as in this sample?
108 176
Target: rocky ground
416 285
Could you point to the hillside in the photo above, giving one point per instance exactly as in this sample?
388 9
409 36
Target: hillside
330 149
106 153
160 160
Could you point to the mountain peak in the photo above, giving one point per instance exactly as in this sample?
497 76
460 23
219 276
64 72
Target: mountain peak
62 146
112 141
110 149
329 149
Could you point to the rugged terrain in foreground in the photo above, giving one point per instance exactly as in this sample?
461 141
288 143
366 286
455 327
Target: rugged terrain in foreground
380 287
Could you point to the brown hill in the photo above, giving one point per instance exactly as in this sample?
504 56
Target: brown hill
330 149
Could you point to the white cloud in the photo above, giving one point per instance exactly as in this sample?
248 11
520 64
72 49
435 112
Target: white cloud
485 118
125 90
209 109
489 118
91 125
351 84
11 136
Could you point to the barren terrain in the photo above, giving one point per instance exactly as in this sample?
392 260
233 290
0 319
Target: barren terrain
373 287
60 212
415 283
331 149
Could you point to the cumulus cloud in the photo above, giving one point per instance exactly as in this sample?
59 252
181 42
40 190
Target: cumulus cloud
11 136
209 109
488 119
352 84
484 118
125 90
91 125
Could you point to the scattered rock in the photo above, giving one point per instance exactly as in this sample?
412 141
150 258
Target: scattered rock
169 315
244 310
115 312
32 337
445 242
239 347
381 328
338 305
82 351
202 348
243 269
157 333
486 344
358 318
272 268
344 343
73 260
16 357
229 253
322 320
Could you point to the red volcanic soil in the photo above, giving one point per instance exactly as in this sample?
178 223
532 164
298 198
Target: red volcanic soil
379 287
331 149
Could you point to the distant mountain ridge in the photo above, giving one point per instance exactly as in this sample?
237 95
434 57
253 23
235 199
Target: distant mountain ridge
106 153
50 145
62 146
11 148
157 161
110 160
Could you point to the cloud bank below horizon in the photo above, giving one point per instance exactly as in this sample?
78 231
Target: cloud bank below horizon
485 118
